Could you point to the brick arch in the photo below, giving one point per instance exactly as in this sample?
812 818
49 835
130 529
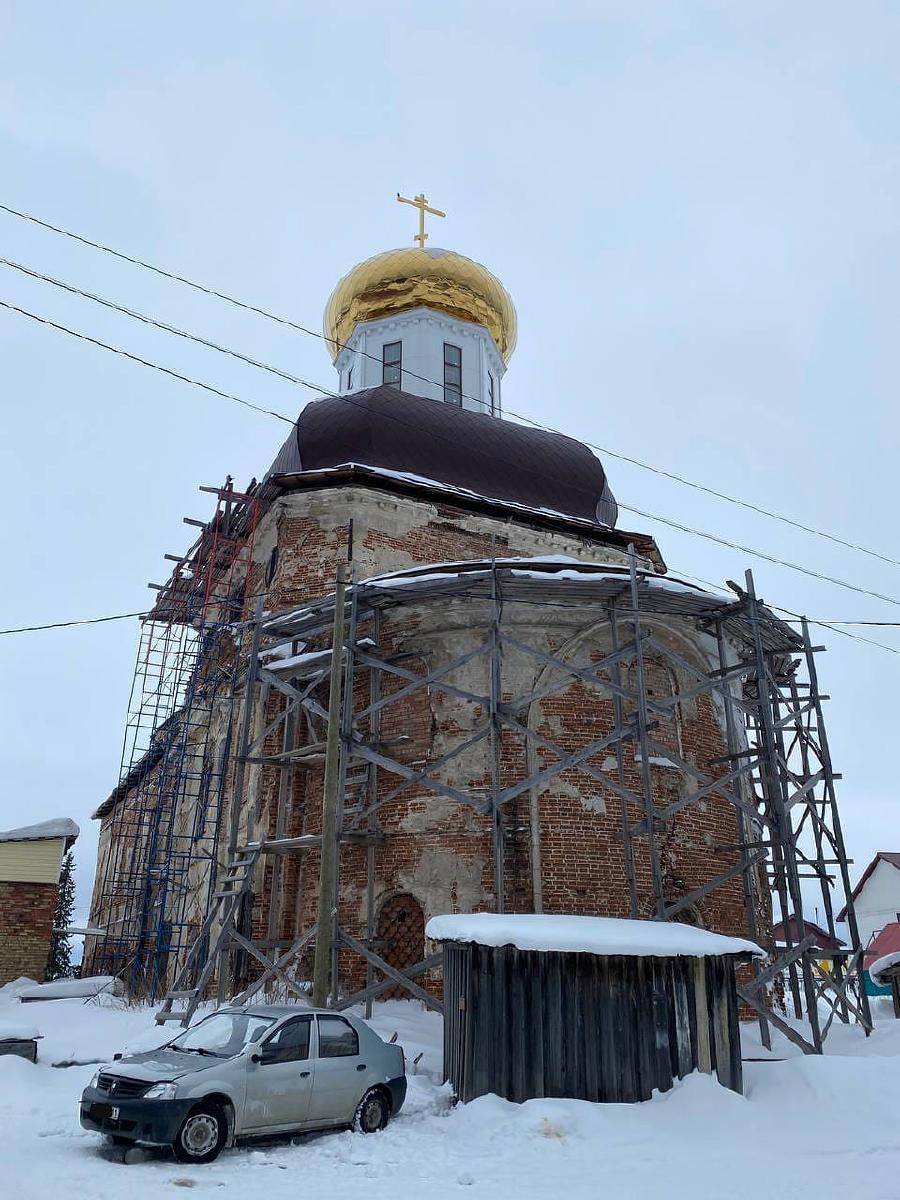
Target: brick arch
691 914
400 935
591 643
596 630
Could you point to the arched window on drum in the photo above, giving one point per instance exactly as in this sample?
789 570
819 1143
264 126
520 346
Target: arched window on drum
664 716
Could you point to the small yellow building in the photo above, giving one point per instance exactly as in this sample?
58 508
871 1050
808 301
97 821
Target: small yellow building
30 862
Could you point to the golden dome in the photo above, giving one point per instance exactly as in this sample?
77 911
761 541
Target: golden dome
412 278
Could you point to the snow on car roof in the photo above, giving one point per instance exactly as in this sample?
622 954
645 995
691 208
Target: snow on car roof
586 935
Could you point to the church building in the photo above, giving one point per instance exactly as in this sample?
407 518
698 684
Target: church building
535 717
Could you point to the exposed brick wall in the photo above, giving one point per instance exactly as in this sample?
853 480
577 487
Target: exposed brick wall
26 924
439 851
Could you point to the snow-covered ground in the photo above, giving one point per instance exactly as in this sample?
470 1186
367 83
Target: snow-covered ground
824 1127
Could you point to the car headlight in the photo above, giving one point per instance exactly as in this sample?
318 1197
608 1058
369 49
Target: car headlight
95 1079
161 1091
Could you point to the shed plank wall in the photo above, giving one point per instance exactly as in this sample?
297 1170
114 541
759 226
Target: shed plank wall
527 1024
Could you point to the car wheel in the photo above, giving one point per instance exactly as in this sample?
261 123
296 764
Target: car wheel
372 1112
202 1135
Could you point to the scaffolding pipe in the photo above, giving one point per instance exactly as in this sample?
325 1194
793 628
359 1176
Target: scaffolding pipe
327 873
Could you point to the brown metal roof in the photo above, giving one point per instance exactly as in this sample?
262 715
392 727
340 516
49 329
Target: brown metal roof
415 437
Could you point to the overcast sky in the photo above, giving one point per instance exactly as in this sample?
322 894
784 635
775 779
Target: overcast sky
695 208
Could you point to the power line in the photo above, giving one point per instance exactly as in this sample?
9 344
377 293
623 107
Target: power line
475 450
166 328
71 624
145 362
139 262
834 626
701 487
831 625
262 312
200 287
821 622
761 554
781 562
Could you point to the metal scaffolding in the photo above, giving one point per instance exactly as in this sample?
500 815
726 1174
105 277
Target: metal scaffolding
158 873
776 774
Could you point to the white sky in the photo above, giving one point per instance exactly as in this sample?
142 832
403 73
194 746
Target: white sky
694 205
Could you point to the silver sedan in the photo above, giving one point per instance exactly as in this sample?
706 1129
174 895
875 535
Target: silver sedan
244 1072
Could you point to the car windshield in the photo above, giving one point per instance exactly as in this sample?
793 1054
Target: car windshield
222 1035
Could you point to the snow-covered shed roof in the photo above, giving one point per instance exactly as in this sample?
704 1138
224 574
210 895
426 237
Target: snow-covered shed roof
59 827
883 964
587 935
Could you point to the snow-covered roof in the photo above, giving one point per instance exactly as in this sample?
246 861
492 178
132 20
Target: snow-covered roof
882 964
65 989
13 1032
60 827
586 935
309 660
539 567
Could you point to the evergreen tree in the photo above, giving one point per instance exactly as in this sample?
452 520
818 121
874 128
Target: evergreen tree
59 962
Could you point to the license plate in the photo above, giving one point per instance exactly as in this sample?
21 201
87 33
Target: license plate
114 1114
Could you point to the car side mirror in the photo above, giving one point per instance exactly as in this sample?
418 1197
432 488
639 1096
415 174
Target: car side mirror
116 1057
262 1054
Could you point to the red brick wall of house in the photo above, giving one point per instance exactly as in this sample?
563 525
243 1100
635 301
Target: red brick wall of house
26 923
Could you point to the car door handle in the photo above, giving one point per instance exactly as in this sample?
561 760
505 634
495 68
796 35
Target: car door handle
361 1067
304 1074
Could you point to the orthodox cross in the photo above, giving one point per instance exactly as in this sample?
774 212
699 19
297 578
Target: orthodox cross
421 203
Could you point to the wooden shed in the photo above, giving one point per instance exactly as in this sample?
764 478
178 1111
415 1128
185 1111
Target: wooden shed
593 1008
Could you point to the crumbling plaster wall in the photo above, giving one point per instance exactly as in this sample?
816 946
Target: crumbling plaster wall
441 851
390 533
436 849
573 851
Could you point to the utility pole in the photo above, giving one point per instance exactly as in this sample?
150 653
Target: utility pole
327 899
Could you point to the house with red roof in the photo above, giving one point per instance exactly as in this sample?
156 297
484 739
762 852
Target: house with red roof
876 897
788 932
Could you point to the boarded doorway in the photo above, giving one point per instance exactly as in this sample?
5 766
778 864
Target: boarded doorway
401 936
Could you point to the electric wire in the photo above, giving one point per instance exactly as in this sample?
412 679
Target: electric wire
285 321
715 538
167 328
349 400
771 558
794 617
145 362
314 387
71 624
